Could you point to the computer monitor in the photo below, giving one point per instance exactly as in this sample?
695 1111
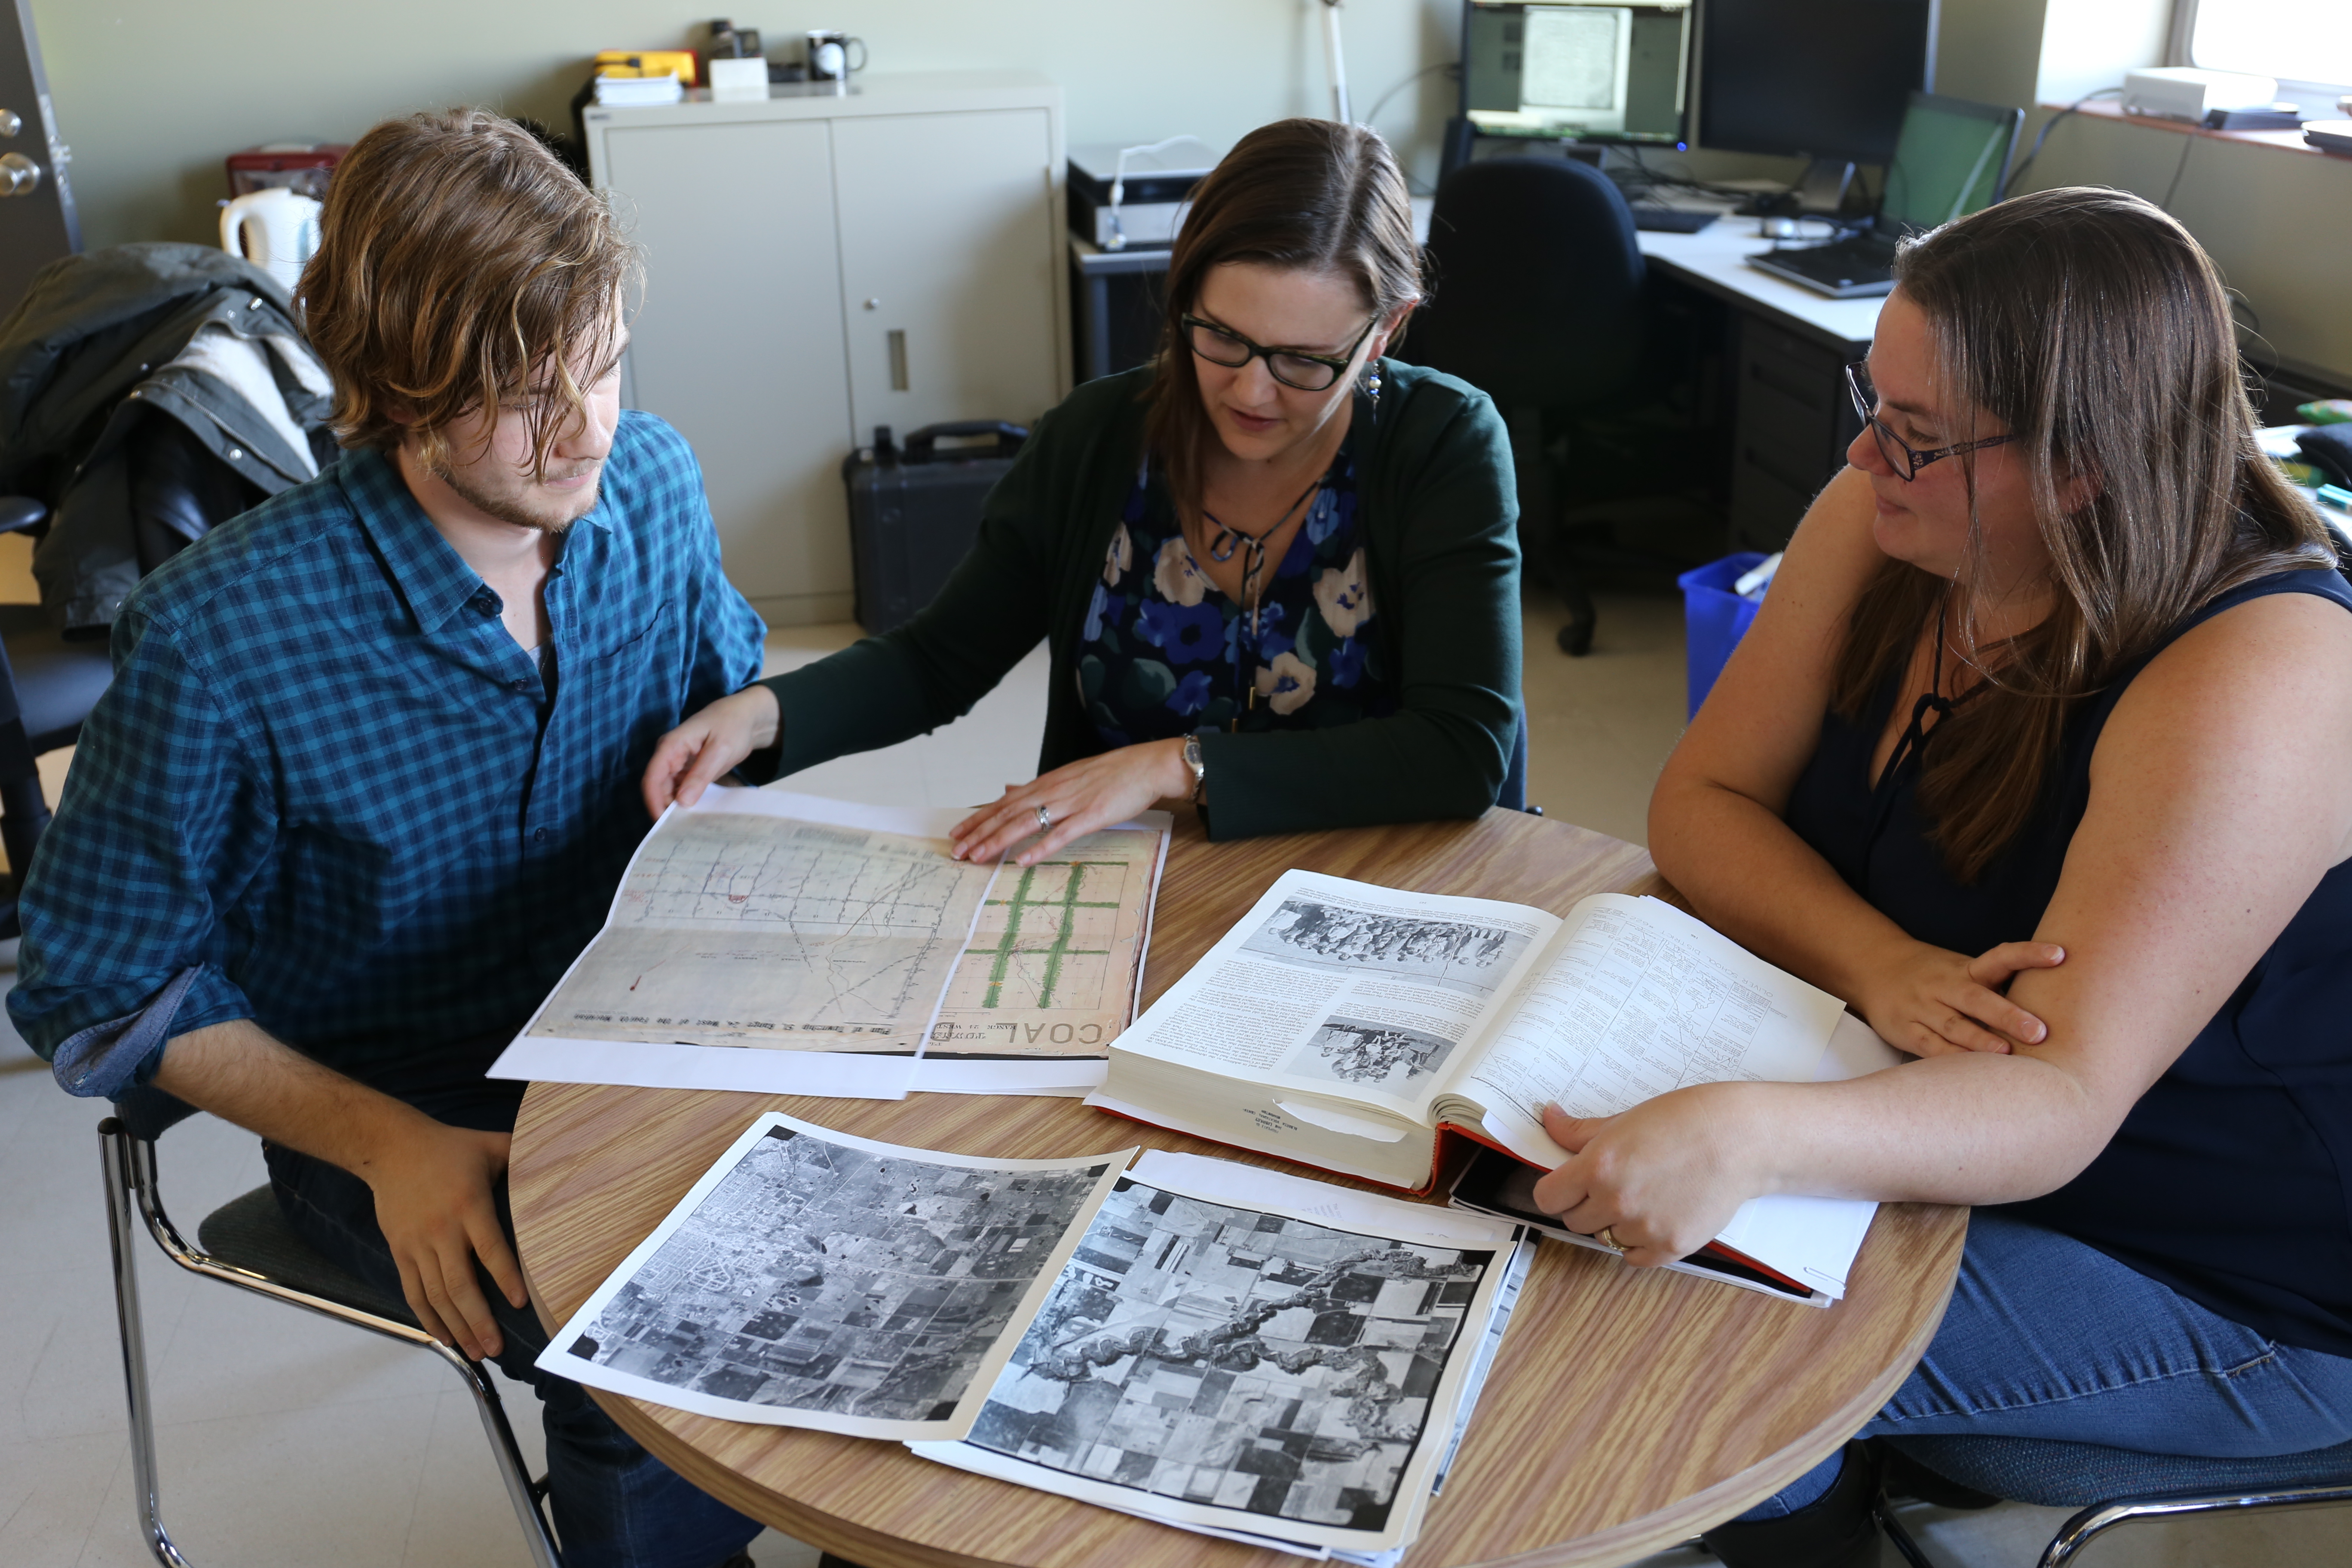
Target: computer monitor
1557 69
1949 162
1826 79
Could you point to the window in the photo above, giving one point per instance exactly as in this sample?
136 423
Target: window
2306 44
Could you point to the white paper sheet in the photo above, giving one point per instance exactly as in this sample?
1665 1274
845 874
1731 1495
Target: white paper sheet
1254 1298
817 1280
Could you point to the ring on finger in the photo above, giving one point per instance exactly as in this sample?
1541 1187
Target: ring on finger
1044 819
1608 1239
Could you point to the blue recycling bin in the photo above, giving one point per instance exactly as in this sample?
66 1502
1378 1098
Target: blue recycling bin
1715 618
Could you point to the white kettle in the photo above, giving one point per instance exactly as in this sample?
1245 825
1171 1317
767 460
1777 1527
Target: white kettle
275 228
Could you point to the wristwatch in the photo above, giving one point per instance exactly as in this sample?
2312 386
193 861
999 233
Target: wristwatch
1200 770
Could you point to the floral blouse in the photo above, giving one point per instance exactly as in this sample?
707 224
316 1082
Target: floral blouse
1163 652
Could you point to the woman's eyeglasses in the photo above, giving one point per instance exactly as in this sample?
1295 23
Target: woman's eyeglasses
1906 461
1307 372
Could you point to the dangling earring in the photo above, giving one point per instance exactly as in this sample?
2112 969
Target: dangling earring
1369 384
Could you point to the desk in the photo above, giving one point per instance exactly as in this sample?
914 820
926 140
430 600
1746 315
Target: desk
1790 417
1627 1409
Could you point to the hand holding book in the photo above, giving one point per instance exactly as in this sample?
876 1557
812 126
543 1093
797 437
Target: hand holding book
1660 1177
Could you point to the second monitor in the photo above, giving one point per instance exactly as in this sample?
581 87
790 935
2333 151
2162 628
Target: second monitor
1555 68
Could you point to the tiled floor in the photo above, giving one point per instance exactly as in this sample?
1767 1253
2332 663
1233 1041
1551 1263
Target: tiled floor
288 1440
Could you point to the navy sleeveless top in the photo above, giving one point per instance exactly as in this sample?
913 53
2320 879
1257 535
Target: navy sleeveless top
2230 1180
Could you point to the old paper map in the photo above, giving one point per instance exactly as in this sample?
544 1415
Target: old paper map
787 923
738 929
1053 967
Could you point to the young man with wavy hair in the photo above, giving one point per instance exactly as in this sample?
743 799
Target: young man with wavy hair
363 787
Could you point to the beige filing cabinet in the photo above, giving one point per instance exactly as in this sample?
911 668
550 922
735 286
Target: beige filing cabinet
821 263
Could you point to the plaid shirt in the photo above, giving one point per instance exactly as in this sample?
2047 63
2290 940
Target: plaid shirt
328 781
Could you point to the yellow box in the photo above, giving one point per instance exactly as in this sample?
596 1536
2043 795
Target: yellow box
647 62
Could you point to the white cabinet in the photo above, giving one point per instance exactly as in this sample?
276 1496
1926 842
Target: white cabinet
820 264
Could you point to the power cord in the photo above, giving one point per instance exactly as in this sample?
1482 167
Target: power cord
1118 240
1374 118
2018 171
2187 141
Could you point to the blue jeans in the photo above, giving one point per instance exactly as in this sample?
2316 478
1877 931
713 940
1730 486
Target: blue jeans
615 1506
2048 1338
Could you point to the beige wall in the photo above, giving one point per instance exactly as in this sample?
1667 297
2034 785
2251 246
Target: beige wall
152 93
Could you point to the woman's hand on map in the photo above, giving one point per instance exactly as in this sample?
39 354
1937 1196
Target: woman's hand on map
1091 793
1932 1001
1662 1178
709 745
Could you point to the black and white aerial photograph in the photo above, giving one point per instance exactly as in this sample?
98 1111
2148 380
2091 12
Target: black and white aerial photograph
1459 955
1223 1357
825 1284
1372 1055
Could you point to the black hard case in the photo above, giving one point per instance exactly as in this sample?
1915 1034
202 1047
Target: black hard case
914 511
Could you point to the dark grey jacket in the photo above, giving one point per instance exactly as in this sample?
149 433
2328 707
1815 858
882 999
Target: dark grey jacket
148 392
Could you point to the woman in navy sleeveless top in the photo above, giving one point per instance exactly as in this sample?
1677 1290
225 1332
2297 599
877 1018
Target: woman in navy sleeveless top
2036 757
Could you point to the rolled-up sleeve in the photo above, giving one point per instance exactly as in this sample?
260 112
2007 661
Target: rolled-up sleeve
162 826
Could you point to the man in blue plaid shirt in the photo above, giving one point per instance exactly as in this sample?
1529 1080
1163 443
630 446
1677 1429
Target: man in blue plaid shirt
365 781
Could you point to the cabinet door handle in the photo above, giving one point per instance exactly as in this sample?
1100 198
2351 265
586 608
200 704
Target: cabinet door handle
897 360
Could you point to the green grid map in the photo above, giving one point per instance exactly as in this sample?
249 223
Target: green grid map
1007 947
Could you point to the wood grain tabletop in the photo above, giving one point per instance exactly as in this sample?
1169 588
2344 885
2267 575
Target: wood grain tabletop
1627 1408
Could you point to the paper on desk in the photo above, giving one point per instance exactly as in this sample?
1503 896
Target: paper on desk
774 943
815 1279
1348 1317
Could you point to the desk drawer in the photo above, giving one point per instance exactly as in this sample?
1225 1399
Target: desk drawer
1791 428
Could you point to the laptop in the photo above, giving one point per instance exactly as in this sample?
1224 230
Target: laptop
1949 161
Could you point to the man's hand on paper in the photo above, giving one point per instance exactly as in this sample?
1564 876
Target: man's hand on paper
708 746
1932 1001
433 1202
1662 1178
1085 796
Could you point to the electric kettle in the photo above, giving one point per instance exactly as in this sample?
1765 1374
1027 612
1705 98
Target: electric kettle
275 228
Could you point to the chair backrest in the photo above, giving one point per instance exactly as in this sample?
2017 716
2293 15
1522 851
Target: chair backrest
1538 281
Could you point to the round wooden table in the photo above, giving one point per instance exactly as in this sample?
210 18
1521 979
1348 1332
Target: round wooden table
1627 1409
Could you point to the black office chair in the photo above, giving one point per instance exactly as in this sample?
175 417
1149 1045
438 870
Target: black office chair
47 687
1538 304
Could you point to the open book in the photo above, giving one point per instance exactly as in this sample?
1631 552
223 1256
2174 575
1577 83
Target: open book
1350 1027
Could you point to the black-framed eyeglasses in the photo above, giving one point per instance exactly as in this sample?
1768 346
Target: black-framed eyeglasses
1906 460
1307 372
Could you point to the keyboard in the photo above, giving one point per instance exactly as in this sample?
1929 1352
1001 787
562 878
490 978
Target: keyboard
1674 220
1854 269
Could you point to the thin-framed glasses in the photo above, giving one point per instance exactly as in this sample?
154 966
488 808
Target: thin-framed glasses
1306 372
1906 460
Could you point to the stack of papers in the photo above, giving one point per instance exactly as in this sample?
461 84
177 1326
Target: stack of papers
1224 1348
638 91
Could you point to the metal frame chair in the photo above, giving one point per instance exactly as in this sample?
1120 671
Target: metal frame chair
2133 1486
247 1243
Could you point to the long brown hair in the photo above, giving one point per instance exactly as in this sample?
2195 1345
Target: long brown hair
460 265
2093 326
1306 194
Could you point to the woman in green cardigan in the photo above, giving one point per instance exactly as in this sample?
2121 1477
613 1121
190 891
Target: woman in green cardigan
1277 573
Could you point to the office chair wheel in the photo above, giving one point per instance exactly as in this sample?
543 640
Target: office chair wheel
1576 638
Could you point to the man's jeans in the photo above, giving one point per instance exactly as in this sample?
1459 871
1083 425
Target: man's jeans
615 1506
2046 1337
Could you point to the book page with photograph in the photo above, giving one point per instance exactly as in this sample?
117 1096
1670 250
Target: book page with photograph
1235 1349
813 1279
1344 991
1636 998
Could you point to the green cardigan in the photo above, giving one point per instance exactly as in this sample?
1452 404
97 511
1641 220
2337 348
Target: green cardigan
1440 511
